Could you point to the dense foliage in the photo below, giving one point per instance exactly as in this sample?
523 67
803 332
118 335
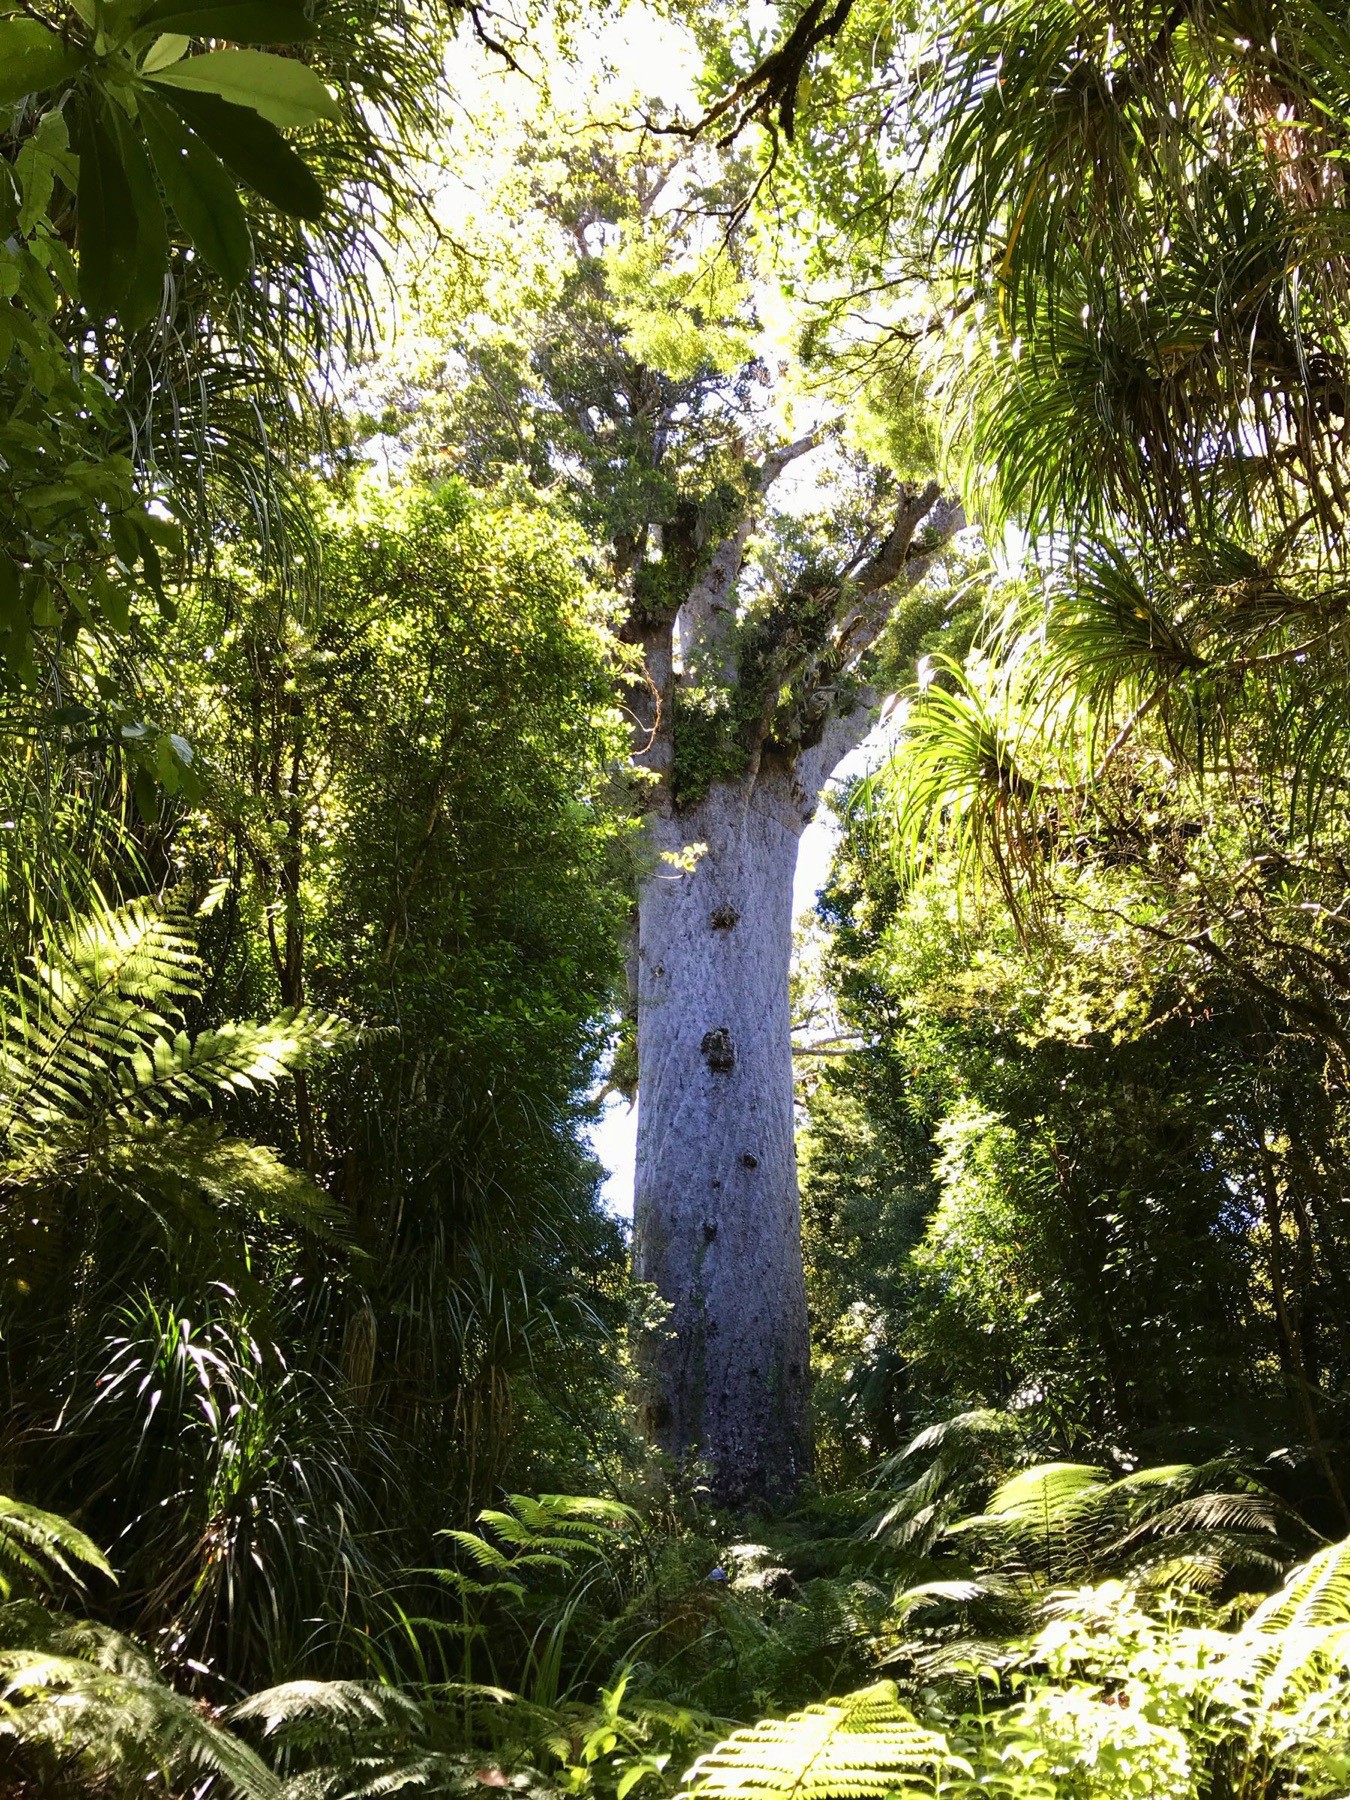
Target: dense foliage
326 666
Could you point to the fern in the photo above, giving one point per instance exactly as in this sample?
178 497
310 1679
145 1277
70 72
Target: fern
1299 1639
1073 1522
110 1710
861 1747
37 1548
965 1450
88 1035
546 1532
362 1739
94 998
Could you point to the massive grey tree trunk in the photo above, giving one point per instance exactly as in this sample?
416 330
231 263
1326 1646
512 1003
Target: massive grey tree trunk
717 1223
717 1229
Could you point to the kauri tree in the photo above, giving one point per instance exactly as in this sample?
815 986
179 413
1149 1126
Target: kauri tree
625 371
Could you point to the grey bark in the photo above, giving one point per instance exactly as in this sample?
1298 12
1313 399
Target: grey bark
725 1373
717 1227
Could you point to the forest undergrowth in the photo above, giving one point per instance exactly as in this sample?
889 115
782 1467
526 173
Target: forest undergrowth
468 484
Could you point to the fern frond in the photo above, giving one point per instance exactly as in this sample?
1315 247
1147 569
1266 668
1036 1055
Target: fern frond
87 1031
300 1705
37 1546
238 1057
1299 1637
861 1747
1317 1593
102 986
119 1722
485 1554
1045 1495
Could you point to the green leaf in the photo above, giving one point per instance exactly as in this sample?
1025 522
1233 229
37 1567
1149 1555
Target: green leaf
12 613
255 150
167 766
284 91
105 222
114 601
46 613
171 47
242 21
41 158
147 799
200 192
32 59
150 258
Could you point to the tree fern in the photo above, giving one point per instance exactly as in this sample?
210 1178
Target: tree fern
237 1057
101 1704
1298 1639
864 1745
87 1035
1161 1526
37 1548
966 1453
88 1702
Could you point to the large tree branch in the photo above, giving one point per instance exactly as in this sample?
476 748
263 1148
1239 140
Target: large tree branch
840 733
649 703
925 524
708 612
899 565
768 92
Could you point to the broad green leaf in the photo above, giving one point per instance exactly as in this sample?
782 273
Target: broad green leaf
46 613
241 21
11 593
200 192
255 150
41 158
32 59
145 279
113 600
105 220
172 47
284 91
147 805
167 766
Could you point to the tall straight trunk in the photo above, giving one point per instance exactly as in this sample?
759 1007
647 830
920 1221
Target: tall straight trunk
717 1219
717 1222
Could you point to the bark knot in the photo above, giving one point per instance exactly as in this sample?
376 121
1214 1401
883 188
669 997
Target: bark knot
718 1051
